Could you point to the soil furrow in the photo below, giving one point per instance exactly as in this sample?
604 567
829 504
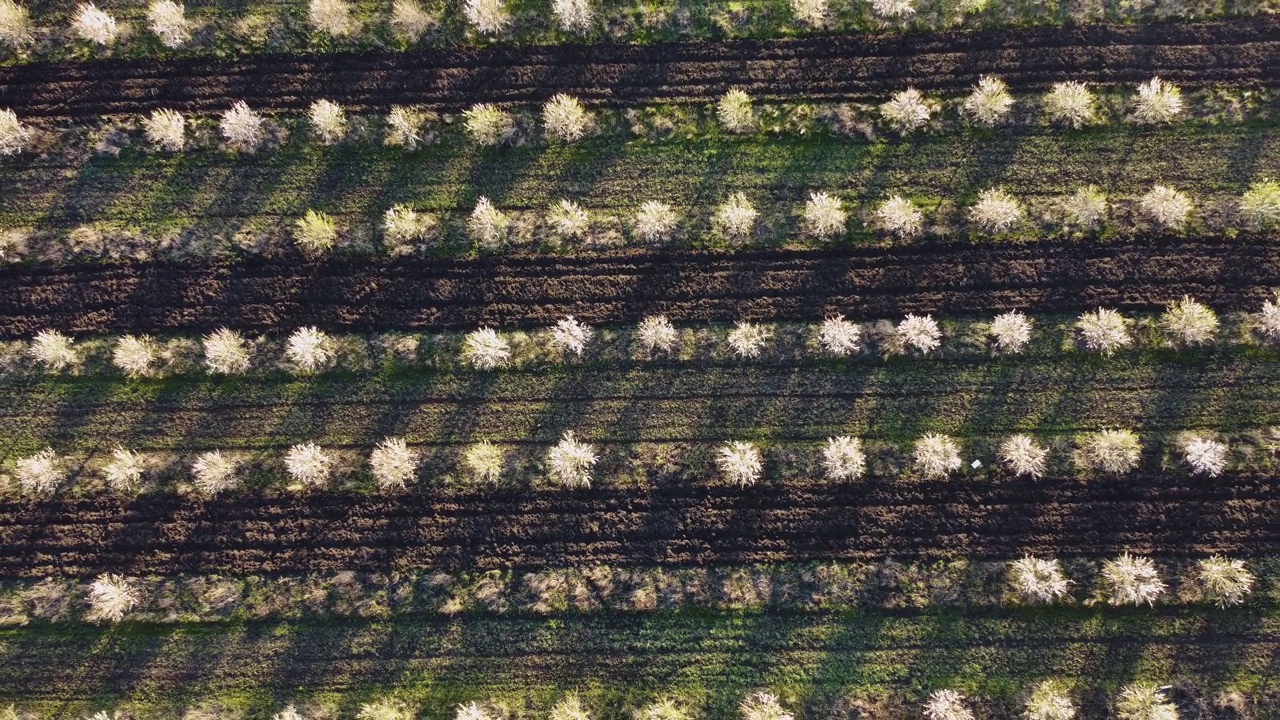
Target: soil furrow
1191 54
619 287
167 535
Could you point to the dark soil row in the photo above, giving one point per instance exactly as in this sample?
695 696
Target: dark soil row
619 287
674 526
1241 52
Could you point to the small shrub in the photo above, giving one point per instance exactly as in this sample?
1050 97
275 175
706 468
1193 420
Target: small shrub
226 352
1104 331
1130 580
1144 701
1189 322
899 216
564 117
570 462
1049 700
569 335
40 474
568 708
124 472
472 711
814 13
747 339
483 461
310 349
403 124
663 709
568 220
1157 102
1070 103
1259 206
894 8
936 456
288 713
315 233
1086 208
14 136
736 218
393 464
488 124
843 459
410 21
996 211
573 16
490 17
309 464
824 216
1011 332
15 23
1112 451
328 121
740 462
1205 456
386 708
135 355
763 706
483 349
1165 207
1267 321
169 23
111 597
735 111
1225 582
166 129
487 224
53 350
94 25
947 705
990 102
906 111
655 332
1024 456
1039 580
402 225
331 16
655 221
920 332
242 128
839 336
214 472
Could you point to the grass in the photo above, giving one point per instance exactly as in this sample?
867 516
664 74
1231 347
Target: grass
225 199
710 658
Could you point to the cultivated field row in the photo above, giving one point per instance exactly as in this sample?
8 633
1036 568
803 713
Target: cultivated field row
787 587
225 206
822 68
137 30
675 526
828 663
1185 326
623 287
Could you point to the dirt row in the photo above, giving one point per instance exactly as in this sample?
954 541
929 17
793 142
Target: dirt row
673 526
1243 52
623 286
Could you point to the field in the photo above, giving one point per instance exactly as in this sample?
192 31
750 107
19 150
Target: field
676 360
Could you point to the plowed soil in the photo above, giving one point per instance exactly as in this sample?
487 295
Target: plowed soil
682 525
623 286
1241 52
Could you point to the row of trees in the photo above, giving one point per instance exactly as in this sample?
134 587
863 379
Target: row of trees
572 463
410 20
566 120
309 350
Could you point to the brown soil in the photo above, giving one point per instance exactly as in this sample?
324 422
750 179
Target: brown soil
1242 52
